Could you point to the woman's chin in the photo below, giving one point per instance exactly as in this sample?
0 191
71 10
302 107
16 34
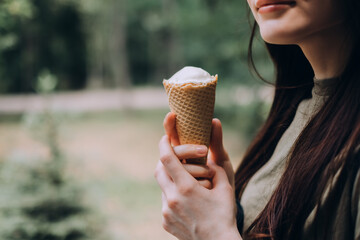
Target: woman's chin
280 38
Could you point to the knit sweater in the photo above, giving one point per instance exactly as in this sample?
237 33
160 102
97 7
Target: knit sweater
343 219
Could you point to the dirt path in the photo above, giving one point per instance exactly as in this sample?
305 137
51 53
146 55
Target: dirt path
118 99
85 101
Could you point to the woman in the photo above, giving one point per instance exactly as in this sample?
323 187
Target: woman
300 177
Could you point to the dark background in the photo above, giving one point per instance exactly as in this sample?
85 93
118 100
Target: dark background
121 43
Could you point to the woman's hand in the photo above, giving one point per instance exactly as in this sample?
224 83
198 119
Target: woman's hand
202 173
198 201
190 210
217 152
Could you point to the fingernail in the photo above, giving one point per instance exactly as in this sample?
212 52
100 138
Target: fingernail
201 149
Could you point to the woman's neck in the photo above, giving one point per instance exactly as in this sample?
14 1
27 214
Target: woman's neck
328 51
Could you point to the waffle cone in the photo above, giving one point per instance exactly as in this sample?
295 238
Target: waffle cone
193 105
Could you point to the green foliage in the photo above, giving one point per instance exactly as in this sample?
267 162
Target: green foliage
12 11
118 43
38 201
37 35
163 36
245 118
46 82
168 35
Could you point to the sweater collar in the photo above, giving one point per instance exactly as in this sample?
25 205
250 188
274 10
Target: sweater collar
324 87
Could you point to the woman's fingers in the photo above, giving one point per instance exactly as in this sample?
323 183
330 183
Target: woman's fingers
206 183
199 171
165 182
190 151
172 164
170 170
170 129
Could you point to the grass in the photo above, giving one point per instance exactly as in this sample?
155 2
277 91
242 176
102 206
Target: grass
112 155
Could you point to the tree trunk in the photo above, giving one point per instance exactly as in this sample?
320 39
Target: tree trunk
118 59
173 48
98 45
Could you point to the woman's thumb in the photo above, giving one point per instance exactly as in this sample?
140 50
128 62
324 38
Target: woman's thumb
216 144
220 177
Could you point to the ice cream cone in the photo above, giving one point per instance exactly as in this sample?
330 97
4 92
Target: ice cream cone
193 105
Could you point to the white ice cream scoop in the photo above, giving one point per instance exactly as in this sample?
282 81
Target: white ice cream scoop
191 75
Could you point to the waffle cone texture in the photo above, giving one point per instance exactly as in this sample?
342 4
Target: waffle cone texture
193 105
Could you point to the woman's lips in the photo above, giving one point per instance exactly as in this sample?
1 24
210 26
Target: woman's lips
268 6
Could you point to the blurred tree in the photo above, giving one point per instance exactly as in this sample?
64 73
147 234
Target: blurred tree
146 41
106 27
118 43
38 201
41 34
12 13
119 57
165 35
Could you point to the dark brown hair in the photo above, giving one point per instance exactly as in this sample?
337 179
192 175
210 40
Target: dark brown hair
333 131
